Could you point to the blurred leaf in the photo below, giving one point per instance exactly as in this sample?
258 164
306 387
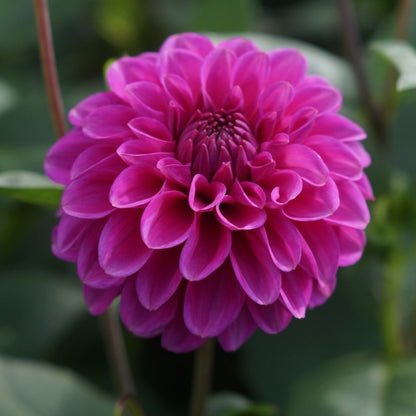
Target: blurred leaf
7 96
33 389
223 16
36 310
30 187
232 404
360 385
403 56
320 62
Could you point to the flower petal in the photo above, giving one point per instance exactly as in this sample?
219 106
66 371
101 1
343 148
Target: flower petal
254 267
135 186
206 248
62 154
175 171
320 250
271 318
121 251
237 216
159 278
353 210
339 159
139 320
304 161
193 42
286 65
179 91
167 220
314 203
80 112
204 195
216 76
98 300
88 195
238 45
338 127
238 331
283 241
351 245
296 292
109 122
211 304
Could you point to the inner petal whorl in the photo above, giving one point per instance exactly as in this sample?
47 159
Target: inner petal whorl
213 138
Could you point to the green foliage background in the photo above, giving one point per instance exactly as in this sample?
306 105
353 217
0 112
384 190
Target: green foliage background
353 356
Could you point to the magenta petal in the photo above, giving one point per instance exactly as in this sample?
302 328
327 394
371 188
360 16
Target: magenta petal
159 278
238 331
184 64
276 98
271 318
364 186
296 292
351 245
204 195
121 251
238 45
248 193
177 338
135 186
339 159
175 171
141 152
179 91
88 195
193 42
167 220
206 248
314 203
304 161
321 97
98 300
91 158
89 270
127 70
237 216
284 185
353 210
284 241
286 65
139 320
301 124
68 235
320 247
109 122
254 267
80 112
216 76
211 304
148 99
152 132
338 127
62 154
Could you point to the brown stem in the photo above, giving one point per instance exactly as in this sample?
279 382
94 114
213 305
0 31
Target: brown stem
403 17
351 37
117 353
47 57
202 378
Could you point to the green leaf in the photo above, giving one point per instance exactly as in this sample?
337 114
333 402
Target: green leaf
30 187
403 56
7 96
28 388
359 385
232 404
333 68
36 309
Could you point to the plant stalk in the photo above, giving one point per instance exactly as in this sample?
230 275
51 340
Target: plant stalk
201 385
47 57
352 41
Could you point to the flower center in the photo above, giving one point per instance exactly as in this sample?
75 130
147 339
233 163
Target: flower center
213 140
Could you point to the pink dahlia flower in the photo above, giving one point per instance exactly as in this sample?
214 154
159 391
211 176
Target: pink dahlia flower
215 188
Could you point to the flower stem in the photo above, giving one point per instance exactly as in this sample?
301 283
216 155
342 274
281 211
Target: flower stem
117 353
47 57
202 378
351 37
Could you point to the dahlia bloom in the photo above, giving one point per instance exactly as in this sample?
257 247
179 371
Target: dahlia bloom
215 188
